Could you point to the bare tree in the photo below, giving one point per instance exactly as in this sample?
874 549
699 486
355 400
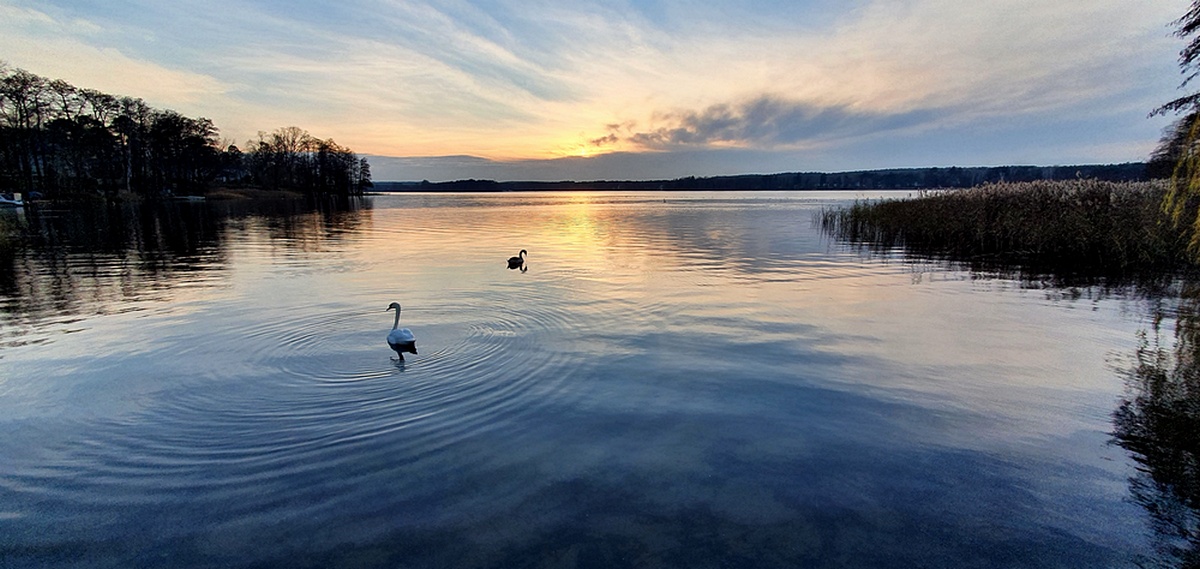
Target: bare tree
58 137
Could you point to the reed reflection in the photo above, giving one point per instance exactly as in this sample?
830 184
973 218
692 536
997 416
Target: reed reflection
1158 422
1158 419
55 260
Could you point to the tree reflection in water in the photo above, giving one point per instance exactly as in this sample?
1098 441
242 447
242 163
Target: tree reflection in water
56 261
1158 422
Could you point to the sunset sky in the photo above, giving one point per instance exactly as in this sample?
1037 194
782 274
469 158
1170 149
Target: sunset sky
625 89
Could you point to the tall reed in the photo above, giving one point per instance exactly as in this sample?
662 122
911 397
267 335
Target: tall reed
1076 226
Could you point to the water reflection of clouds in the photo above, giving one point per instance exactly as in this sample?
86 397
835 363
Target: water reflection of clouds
841 473
765 265
636 395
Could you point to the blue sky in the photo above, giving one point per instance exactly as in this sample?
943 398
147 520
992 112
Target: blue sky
548 90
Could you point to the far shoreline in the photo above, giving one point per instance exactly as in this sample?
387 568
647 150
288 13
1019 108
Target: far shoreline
884 179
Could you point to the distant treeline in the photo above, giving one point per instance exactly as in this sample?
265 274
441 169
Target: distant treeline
60 140
900 178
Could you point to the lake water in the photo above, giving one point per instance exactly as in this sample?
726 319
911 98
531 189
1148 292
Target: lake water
674 380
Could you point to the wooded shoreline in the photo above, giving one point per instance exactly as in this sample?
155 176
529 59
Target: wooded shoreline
62 142
883 179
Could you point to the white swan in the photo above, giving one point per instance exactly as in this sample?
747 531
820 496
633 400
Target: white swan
401 339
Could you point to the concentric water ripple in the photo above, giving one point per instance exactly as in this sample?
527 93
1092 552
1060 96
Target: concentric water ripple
666 367
308 394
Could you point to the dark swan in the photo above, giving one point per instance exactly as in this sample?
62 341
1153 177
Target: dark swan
516 262
401 339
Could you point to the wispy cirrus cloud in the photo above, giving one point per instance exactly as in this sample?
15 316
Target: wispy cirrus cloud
892 67
535 79
71 45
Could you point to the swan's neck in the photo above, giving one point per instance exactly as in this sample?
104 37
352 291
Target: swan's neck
396 324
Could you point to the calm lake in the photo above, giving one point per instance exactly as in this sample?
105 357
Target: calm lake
674 380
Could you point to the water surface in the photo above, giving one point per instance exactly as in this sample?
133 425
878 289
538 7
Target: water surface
674 380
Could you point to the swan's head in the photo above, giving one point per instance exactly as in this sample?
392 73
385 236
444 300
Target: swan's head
523 252
395 305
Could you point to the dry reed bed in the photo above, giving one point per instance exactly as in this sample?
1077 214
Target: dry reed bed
1080 225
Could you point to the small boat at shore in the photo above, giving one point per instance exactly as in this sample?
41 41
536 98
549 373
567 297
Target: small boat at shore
9 200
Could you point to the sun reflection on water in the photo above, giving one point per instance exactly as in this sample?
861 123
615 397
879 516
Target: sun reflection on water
672 365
